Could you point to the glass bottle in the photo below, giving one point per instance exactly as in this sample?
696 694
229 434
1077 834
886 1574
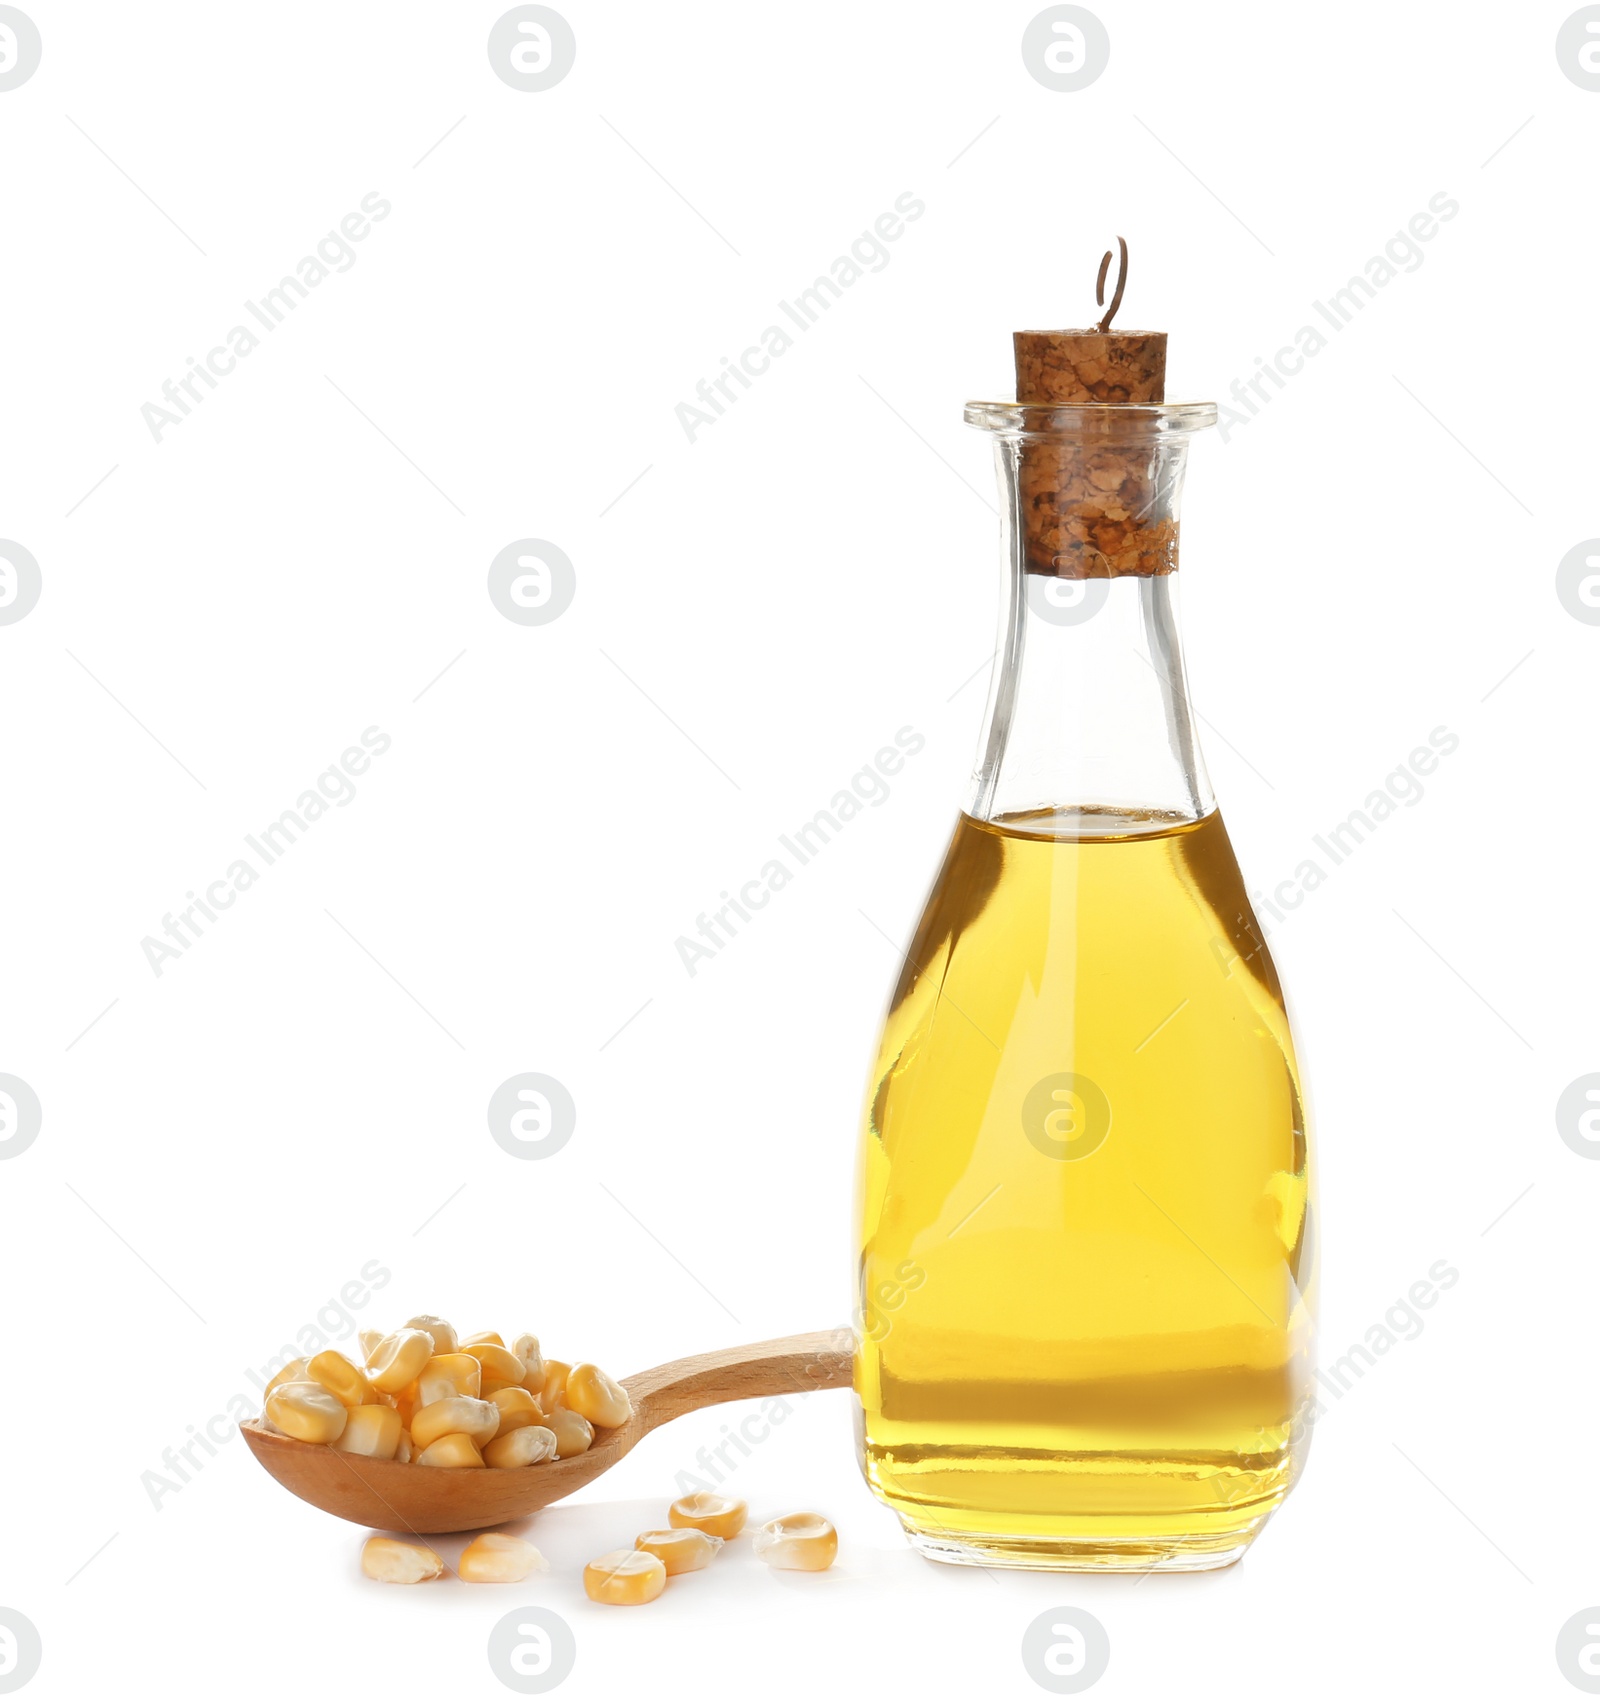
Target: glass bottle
1085 1282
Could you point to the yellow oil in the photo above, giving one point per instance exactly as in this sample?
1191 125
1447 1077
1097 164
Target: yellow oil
1085 1307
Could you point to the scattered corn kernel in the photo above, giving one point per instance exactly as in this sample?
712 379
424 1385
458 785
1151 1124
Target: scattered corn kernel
387 1561
715 1514
624 1578
495 1558
802 1541
552 1387
369 1339
347 1384
518 1409
475 1419
573 1433
680 1550
485 1337
500 1368
594 1395
447 1374
454 1452
530 1445
307 1411
441 1333
526 1347
402 1452
399 1359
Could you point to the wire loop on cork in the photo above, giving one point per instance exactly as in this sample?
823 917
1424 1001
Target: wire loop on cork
1100 284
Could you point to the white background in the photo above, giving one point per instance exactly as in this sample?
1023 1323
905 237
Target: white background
231 1141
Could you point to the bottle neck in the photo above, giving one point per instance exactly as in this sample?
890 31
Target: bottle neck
1089 732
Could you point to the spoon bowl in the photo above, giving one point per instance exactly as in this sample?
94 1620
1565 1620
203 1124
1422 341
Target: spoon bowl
429 1499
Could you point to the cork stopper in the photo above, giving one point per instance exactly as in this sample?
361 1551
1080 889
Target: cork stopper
1089 509
1073 368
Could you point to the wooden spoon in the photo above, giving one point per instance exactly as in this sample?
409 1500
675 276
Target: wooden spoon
429 1498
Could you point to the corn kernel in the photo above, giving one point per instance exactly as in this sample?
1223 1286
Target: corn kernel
715 1514
307 1411
388 1561
451 1451
593 1395
475 1419
405 1402
624 1578
399 1359
495 1558
369 1339
293 1371
526 1347
530 1445
442 1334
340 1377
518 1409
552 1387
680 1550
500 1368
402 1452
486 1337
802 1541
573 1433
372 1431
447 1374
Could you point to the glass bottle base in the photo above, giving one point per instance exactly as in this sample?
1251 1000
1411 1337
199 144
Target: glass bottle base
1213 1551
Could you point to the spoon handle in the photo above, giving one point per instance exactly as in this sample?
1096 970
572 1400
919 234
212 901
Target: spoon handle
792 1364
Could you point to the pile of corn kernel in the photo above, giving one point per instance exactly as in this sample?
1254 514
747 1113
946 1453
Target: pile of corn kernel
425 1397
698 1527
